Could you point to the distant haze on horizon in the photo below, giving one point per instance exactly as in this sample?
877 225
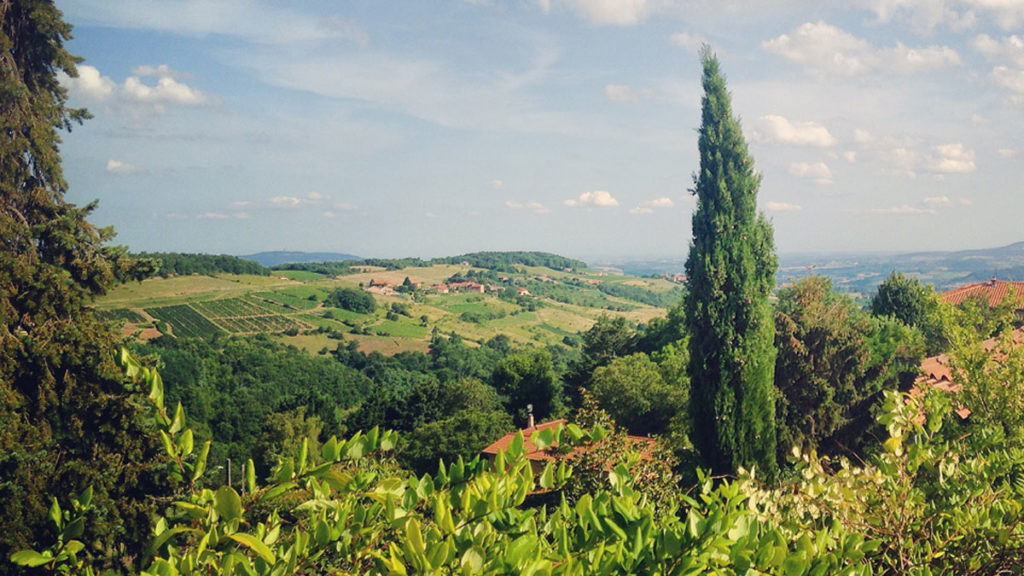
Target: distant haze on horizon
568 126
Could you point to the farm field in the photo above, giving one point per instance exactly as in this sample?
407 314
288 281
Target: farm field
289 305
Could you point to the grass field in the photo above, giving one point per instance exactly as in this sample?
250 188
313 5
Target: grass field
205 305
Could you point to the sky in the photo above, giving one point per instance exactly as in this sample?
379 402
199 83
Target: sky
434 128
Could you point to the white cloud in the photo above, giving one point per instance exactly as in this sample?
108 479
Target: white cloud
1009 78
1006 153
774 128
938 201
851 156
603 12
535 207
1010 48
952 158
862 136
782 207
160 71
819 172
903 209
623 93
90 84
593 198
926 15
497 184
295 201
213 216
119 167
688 41
167 90
648 206
826 49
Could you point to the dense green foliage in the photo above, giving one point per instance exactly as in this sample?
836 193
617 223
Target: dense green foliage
66 421
511 261
731 271
903 298
245 391
176 263
834 362
640 294
351 299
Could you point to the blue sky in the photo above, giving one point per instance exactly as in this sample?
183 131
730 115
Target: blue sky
430 128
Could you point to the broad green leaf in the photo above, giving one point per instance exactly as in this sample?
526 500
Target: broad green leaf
255 544
200 466
85 498
228 503
472 560
74 529
55 514
29 558
186 442
179 420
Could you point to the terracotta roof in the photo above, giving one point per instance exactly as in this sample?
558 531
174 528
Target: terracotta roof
993 291
935 371
532 453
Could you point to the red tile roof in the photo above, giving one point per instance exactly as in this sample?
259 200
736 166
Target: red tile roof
993 292
935 371
532 453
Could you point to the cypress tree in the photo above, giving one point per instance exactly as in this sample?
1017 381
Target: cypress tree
731 272
66 420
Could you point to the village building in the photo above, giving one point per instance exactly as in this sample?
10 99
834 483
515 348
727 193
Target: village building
993 292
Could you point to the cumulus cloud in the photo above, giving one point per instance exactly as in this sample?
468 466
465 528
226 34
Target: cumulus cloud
819 172
925 16
648 206
623 93
776 129
535 207
603 12
952 158
1010 48
826 49
593 198
296 201
119 167
92 86
1011 79
782 207
497 184
213 216
1006 153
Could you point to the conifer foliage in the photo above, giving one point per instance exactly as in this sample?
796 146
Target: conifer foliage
65 419
730 269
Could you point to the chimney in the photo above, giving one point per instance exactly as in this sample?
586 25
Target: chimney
529 416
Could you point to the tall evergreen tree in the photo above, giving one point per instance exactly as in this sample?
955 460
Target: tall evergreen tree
66 421
731 272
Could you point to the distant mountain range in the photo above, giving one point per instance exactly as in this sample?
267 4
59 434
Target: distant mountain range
275 258
861 273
